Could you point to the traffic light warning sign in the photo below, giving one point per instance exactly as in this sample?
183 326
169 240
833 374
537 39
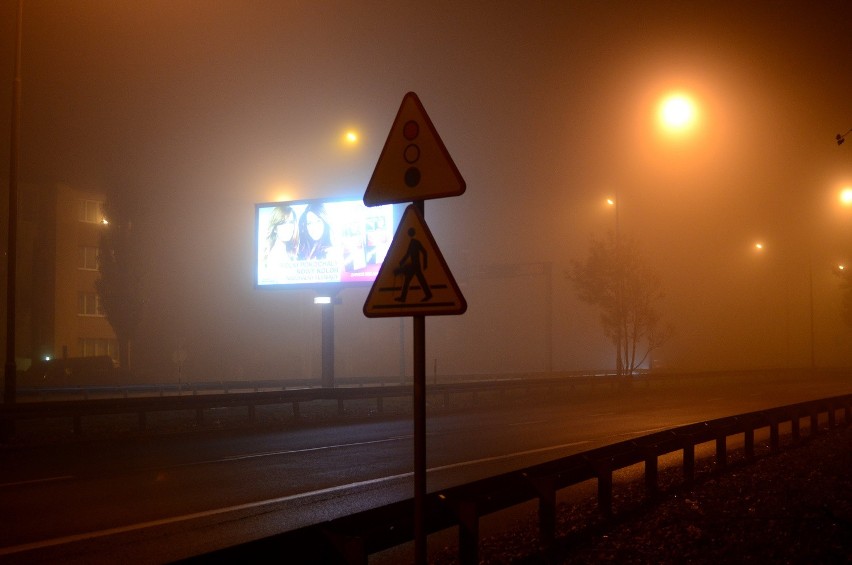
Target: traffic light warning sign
414 279
414 164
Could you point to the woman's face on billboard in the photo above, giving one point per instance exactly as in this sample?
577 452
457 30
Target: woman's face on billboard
285 231
316 226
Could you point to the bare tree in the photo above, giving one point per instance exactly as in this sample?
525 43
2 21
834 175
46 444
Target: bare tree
615 279
120 283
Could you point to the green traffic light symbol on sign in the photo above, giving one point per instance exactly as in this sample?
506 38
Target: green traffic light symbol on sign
414 163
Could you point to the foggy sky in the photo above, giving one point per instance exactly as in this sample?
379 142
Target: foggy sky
204 108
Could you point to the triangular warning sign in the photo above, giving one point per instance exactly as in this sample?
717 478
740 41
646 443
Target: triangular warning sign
414 279
414 164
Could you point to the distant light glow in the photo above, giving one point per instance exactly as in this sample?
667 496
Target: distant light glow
350 137
677 112
758 246
846 196
47 357
322 300
610 201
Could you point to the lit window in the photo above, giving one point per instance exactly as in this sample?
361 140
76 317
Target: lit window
96 346
91 211
89 304
88 258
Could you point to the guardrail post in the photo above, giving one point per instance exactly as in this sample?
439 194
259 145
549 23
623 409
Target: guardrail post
296 413
689 462
774 437
748 443
340 411
546 489
468 532
651 471
604 472
721 451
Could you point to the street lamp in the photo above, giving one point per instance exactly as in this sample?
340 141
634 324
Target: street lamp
677 113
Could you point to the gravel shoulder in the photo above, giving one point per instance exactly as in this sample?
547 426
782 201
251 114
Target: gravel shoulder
791 507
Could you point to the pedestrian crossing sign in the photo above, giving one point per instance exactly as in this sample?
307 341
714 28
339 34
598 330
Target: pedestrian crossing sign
414 279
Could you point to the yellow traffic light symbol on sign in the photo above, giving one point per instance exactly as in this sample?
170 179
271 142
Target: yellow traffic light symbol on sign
414 163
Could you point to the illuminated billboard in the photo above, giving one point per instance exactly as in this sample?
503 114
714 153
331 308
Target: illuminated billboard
314 243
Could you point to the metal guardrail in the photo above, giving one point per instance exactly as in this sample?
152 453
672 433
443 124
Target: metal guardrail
42 391
199 403
351 539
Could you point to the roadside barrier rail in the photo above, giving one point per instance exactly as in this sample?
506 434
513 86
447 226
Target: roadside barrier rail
351 539
200 403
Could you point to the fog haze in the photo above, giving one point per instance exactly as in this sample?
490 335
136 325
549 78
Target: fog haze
203 108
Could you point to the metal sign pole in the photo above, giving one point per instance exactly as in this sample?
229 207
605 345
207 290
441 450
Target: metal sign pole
420 439
414 165
419 347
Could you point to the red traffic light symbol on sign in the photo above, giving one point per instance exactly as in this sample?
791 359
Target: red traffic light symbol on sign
414 163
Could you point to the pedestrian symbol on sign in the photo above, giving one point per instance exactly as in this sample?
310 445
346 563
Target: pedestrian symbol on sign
410 267
414 278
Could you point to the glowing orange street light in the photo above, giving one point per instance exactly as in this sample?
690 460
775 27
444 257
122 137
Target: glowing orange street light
677 112
350 137
845 196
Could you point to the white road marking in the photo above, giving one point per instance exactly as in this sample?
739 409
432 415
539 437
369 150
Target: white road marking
250 505
36 481
290 451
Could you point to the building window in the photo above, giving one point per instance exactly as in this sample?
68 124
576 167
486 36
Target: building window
95 346
91 211
88 258
89 304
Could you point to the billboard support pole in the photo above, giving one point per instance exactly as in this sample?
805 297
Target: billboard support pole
419 409
328 345
328 339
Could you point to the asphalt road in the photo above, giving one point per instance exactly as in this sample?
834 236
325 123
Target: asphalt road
157 499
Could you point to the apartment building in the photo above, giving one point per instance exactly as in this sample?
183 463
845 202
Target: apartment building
60 312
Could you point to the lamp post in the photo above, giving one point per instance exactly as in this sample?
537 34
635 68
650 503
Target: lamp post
619 289
760 248
9 386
